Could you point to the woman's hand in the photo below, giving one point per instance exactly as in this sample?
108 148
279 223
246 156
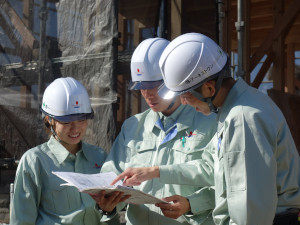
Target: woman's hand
107 202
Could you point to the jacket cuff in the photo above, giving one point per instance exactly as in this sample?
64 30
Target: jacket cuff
166 174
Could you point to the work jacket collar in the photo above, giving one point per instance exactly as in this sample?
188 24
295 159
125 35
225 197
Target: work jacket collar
179 115
236 91
61 153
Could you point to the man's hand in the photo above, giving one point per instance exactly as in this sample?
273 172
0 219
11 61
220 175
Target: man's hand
180 206
135 176
108 202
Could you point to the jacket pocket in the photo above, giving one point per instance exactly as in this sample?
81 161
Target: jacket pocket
235 168
184 152
220 186
141 152
60 199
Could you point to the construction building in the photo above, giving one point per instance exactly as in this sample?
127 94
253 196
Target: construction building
93 41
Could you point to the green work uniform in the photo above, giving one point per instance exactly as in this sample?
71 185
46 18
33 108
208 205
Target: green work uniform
144 141
257 171
39 197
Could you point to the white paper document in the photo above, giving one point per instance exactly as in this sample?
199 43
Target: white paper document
94 183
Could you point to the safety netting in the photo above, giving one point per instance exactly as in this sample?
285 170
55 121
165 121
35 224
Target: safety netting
42 40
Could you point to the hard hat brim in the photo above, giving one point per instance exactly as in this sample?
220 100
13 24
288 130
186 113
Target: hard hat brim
166 93
71 117
144 85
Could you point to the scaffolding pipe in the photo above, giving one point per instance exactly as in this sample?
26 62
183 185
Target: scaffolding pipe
220 20
42 49
240 38
163 19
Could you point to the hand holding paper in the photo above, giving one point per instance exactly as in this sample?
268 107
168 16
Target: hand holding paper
109 202
180 206
95 183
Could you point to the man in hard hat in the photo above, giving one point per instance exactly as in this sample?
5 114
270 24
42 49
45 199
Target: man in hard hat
167 133
256 164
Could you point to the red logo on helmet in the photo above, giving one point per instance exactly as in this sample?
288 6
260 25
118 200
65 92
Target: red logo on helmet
139 73
76 106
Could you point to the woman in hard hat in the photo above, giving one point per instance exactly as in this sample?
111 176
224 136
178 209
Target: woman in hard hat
165 134
39 197
256 162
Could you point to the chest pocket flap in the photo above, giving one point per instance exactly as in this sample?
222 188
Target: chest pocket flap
187 151
60 199
141 152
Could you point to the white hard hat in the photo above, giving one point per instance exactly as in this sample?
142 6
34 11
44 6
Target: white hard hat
187 62
67 100
145 72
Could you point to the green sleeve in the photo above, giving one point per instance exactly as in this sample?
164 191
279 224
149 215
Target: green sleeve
198 172
202 203
27 194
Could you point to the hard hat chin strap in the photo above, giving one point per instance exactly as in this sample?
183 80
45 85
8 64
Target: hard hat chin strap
211 106
53 131
209 100
223 73
172 103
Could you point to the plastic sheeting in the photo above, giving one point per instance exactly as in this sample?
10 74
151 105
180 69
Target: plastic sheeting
43 40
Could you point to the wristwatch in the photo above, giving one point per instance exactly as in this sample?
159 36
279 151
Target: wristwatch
105 212
189 212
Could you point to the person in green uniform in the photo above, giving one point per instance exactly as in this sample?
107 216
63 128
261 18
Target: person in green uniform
165 134
38 196
256 163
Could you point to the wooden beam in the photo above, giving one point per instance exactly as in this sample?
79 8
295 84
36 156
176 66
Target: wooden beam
27 37
136 95
121 35
138 9
9 51
226 27
263 70
176 20
28 14
25 101
262 23
137 34
294 35
297 83
9 33
24 53
132 6
290 69
261 10
287 19
28 22
279 48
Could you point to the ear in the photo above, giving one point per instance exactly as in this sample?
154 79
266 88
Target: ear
47 122
211 86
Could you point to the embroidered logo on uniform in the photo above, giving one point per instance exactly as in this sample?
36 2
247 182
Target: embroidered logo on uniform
183 138
97 166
